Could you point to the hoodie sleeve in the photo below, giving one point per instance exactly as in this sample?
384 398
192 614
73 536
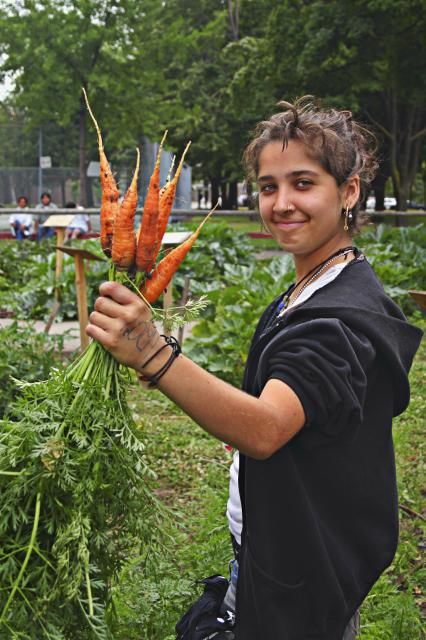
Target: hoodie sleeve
326 364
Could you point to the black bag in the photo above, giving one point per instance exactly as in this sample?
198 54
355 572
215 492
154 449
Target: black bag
203 621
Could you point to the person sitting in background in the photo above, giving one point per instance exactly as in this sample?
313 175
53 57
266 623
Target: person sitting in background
45 205
21 221
79 224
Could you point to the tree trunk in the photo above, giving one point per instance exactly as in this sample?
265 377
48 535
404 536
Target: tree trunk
251 199
224 195
378 185
215 182
233 15
406 132
233 195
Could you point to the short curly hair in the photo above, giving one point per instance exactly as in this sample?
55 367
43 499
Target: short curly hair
341 145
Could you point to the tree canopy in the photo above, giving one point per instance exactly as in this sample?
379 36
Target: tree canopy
208 70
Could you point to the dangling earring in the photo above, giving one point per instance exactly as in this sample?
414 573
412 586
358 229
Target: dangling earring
348 218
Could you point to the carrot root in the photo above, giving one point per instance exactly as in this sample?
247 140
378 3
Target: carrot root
167 267
124 239
147 242
110 192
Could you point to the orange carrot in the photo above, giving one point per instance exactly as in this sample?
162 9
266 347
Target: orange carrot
167 198
124 238
167 267
146 249
110 192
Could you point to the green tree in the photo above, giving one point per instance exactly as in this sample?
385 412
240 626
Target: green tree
368 55
52 48
190 70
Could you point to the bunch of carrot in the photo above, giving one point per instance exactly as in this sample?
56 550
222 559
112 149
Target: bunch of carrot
74 483
136 253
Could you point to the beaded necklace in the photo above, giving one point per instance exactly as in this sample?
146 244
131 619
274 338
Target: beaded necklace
310 277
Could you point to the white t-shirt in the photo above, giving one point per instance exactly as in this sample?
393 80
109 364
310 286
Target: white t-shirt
80 221
23 218
234 510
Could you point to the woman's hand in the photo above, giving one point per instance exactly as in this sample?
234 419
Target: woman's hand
122 323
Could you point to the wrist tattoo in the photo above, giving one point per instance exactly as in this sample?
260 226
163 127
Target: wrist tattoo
135 334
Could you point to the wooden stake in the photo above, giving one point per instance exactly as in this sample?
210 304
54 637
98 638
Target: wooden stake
79 256
80 285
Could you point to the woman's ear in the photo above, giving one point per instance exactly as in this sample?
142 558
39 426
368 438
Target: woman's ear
351 192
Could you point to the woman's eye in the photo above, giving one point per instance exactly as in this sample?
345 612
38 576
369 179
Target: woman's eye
266 188
303 184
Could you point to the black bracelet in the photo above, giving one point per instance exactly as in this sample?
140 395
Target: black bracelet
176 350
163 346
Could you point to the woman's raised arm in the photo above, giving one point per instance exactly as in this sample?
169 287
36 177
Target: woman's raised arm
122 323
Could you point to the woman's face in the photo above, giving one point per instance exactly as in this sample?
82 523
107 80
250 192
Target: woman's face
300 203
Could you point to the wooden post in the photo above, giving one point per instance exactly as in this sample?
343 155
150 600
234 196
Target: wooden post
171 239
183 301
81 289
60 235
419 297
80 285
167 297
59 221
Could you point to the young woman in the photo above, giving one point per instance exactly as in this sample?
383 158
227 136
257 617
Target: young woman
326 373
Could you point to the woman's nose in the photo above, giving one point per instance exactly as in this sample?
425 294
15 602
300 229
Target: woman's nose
282 202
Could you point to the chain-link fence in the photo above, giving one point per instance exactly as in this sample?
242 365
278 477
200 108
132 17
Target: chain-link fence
64 186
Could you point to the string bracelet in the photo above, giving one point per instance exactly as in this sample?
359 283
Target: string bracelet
154 355
176 350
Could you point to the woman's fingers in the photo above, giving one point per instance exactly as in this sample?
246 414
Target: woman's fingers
122 323
106 322
109 307
119 293
116 301
97 333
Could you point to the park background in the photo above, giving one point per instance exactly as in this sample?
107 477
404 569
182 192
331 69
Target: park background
208 70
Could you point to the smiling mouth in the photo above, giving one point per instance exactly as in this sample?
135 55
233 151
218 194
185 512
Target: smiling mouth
290 224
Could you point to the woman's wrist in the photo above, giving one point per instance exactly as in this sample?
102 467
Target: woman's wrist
159 362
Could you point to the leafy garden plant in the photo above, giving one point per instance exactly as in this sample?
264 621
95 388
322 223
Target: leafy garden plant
27 355
221 339
398 255
75 485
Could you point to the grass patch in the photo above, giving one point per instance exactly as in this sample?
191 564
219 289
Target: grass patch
192 471
393 609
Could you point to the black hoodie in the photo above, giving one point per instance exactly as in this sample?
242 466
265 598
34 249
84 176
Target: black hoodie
321 514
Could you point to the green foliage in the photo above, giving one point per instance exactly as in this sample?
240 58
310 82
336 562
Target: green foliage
209 70
192 477
218 249
221 340
27 279
25 355
393 609
398 255
76 500
365 56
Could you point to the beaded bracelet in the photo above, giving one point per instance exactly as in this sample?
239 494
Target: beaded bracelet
176 350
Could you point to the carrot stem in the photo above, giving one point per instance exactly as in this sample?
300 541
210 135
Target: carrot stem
26 559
